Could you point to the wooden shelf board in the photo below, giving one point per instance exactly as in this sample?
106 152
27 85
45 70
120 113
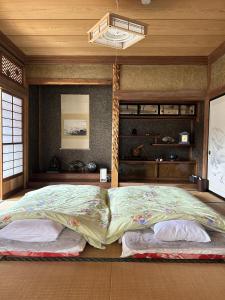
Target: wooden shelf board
183 184
154 180
51 176
137 136
173 145
38 184
158 162
166 117
38 180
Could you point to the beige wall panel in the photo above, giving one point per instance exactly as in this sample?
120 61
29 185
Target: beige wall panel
12 184
218 73
163 78
69 71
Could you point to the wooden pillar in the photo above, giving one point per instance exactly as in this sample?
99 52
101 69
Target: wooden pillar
25 132
115 126
25 140
206 125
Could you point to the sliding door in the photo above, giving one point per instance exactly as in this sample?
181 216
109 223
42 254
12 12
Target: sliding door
216 147
11 143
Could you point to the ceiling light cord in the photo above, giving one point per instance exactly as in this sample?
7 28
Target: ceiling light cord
116 58
117 4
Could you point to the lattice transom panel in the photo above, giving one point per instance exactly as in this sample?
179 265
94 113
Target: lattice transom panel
11 70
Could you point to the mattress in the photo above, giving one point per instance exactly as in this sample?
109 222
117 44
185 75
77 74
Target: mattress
142 244
69 243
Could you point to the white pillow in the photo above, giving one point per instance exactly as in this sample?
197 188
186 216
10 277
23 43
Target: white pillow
180 230
32 230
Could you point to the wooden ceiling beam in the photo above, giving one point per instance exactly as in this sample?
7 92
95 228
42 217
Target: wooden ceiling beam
129 60
167 96
95 9
80 27
217 53
101 51
7 45
68 81
151 41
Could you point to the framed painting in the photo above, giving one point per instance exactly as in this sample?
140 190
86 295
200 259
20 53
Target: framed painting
149 109
128 109
75 122
169 109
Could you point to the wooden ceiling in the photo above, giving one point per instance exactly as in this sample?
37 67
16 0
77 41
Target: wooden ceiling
59 27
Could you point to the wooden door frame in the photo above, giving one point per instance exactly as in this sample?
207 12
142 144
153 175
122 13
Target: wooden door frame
211 100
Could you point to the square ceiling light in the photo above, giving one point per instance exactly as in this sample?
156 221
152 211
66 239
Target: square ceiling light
117 32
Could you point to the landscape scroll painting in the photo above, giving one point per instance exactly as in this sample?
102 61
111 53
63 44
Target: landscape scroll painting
75 122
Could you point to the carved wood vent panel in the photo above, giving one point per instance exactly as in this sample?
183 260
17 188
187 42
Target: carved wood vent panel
11 70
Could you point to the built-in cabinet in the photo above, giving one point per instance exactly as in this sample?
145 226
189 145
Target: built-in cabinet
150 144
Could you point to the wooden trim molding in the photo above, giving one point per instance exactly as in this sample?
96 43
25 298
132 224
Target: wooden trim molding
189 95
44 59
217 53
115 127
217 92
11 48
68 81
12 87
11 193
129 60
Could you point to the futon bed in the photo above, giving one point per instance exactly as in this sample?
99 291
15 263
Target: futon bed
94 215
143 244
82 210
136 209
69 244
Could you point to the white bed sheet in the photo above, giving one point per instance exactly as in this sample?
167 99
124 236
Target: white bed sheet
143 241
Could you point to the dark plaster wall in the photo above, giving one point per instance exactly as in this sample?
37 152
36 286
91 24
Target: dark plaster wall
49 105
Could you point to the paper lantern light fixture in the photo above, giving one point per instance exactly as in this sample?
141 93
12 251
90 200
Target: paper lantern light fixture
117 32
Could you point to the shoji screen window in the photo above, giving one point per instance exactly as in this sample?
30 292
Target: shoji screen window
12 135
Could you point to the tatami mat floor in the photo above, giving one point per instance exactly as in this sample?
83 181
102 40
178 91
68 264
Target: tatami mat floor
111 281
114 281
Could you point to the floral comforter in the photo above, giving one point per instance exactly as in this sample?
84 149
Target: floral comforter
139 207
82 208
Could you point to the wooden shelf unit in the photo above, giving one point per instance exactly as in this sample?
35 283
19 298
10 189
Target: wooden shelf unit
144 169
